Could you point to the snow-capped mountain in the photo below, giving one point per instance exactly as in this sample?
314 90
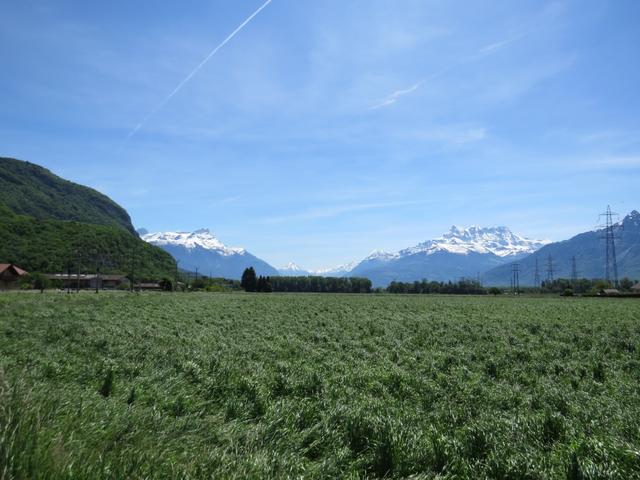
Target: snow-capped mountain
461 252
191 240
293 270
339 271
499 241
203 251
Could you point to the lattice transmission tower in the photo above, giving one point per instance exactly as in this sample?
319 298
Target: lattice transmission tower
515 278
610 236
550 269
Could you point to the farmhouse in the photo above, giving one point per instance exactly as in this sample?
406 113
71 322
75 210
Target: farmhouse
87 281
609 292
9 275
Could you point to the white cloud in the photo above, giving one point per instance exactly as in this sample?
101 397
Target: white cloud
393 98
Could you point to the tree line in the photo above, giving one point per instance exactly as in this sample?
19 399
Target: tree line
250 282
462 287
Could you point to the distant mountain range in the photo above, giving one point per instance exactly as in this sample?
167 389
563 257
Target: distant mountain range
461 252
201 250
49 224
589 251
292 269
487 252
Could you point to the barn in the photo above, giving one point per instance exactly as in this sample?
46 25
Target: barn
10 276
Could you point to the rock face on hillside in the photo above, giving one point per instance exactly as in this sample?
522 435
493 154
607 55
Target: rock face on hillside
201 250
589 250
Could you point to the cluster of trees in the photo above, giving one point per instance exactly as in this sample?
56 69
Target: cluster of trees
250 282
209 284
583 285
321 284
463 287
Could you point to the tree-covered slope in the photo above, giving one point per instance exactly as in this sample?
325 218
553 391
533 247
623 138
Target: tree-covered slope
589 251
29 189
39 245
48 224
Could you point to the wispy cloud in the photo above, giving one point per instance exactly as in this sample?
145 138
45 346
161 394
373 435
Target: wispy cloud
487 50
333 211
503 43
393 98
226 200
630 161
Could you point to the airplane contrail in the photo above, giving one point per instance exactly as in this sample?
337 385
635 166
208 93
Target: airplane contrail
195 70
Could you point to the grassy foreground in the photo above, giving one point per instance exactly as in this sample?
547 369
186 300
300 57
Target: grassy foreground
318 386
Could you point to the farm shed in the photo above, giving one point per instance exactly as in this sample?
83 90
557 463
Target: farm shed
88 281
9 275
608 292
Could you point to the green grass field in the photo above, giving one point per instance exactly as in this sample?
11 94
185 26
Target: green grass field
318 386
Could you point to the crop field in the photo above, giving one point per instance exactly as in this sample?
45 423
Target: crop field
318 386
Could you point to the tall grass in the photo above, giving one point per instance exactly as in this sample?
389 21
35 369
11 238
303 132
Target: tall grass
318 386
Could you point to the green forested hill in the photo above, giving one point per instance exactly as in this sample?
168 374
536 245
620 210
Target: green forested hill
48 224
29 189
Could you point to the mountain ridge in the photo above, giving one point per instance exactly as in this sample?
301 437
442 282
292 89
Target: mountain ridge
589 250
203 251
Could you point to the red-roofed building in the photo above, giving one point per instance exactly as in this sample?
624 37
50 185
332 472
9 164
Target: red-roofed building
9 275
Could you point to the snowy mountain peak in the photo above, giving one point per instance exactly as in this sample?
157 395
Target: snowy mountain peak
381 255
631 220
499 241
292 267
340 270
201 238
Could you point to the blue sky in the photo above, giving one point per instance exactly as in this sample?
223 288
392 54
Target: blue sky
327 129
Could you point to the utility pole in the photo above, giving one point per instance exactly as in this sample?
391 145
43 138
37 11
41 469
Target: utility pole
78 273
133 266
609 235
515 278
536 275
69 276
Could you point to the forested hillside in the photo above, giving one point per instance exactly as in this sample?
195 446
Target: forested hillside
48 224
29 189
